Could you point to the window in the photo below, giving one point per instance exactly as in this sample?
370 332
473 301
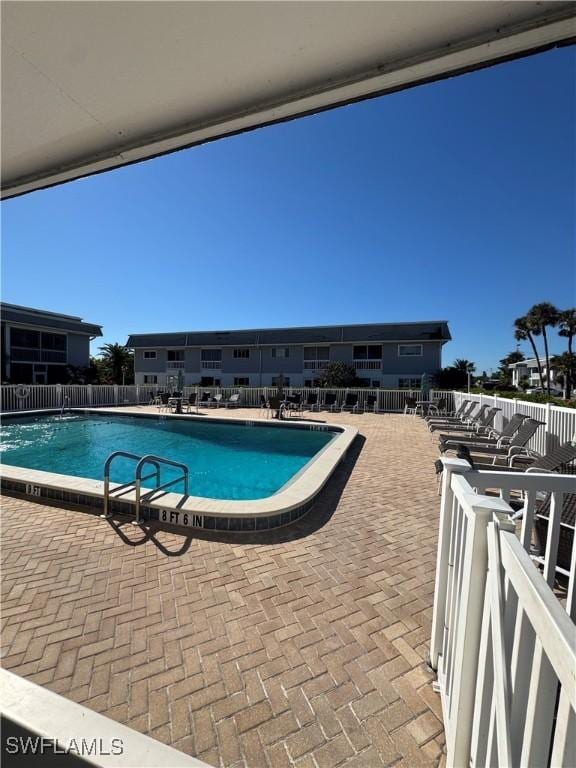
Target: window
175 354
409 383
150 354
241 381
409 350
280 352
211 355
285 381
242 352
316 353
54 341
148 379
368 352
22 338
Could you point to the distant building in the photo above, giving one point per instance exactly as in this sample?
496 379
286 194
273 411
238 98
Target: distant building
527 370
37 346
387 355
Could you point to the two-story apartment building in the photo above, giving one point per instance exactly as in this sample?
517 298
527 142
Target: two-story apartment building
37 346
527 371
386 355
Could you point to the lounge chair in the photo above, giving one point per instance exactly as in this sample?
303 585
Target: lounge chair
450 416
264 406
216 400
440 406
551 461
566 538
350 403
311 402
464 417
492 438
330 401
233 401
480 425
516 446
410 406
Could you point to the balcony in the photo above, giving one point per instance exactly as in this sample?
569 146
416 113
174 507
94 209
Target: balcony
175 365
368 365
315 365
24 354
211 364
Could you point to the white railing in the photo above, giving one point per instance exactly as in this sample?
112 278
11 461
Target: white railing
503 645
41 396
559 424
368 365
315 365
211 364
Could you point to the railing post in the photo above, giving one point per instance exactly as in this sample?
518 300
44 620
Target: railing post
89 393
468 630
547 420
451 467
115 394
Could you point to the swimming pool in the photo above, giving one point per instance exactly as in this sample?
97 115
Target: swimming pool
225 460
243 475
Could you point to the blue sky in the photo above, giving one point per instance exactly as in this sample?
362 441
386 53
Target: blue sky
453 200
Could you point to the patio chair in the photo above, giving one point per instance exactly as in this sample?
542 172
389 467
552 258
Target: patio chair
293 403
163 403
492 438
330 401
440 406
205 399
276 404
191 402
516 446
311 402
233 401
216 400
410 406
350 403
264 406
371 403
447 422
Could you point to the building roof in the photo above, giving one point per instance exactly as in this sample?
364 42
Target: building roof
433 330
19 315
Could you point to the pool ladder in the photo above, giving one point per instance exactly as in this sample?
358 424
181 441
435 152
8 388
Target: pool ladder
156 462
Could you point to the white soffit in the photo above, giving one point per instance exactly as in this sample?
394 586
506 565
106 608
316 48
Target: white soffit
90 86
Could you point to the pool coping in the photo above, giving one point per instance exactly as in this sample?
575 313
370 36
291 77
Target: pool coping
290 502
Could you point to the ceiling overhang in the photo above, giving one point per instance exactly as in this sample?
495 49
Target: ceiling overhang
91 86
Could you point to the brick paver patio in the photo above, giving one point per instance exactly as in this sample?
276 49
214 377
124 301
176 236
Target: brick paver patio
301 647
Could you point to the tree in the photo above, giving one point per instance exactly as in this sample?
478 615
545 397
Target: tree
540 317
565 364
567 323
504 373
118 363
524 332
338 375
464 365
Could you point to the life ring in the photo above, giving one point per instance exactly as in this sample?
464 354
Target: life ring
22 392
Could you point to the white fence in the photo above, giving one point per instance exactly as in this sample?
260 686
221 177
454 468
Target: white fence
37 397
502 643
559 424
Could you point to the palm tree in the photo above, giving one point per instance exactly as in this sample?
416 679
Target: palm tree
542 316
523 332
567 323
464 365
119 362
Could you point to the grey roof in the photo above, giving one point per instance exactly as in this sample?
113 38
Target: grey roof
322 334
14 313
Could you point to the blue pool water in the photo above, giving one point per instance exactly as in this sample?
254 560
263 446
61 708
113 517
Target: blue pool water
226 461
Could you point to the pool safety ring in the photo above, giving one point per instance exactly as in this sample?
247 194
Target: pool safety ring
22 392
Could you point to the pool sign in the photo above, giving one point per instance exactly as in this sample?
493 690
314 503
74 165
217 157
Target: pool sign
33 490
176 517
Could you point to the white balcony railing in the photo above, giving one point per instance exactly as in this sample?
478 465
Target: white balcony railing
174 365
211 364
368 365
502 643
315 365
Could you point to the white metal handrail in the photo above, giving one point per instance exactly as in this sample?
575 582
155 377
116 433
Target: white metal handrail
499 664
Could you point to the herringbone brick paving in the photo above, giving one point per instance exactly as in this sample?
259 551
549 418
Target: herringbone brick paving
301 647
